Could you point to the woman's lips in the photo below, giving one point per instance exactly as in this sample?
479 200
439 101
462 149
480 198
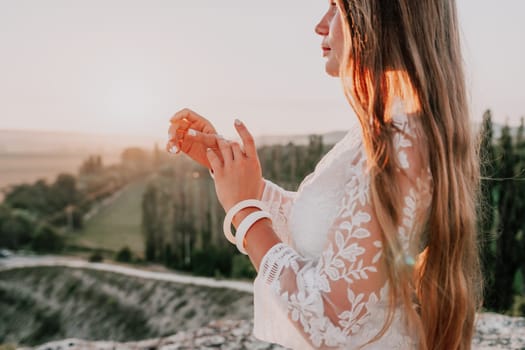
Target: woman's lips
325 50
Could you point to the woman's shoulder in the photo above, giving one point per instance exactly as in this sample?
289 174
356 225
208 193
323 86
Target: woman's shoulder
410 142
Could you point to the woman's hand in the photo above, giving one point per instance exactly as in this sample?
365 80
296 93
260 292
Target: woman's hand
238 176
193 134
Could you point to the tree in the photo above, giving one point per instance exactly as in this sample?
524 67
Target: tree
507 251
63 192
167 257
16 227
149 222
135 161
47 240
34 198
159 157
486 207
520 190
91 166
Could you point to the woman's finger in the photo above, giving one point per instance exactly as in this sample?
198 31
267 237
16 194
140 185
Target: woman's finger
214 160
172 147
247 139
208 140
179 125
226 151
237 152
187 114
186 138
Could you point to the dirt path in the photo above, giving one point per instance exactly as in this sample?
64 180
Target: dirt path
19 261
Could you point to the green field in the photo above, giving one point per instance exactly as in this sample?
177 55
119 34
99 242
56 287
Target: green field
117 225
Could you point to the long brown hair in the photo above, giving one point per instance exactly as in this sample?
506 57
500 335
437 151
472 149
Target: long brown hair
419 39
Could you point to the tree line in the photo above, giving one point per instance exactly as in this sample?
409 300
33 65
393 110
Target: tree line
502 216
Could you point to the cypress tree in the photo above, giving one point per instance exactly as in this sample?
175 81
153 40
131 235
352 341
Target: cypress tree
507 252
520 192
486 208
149 224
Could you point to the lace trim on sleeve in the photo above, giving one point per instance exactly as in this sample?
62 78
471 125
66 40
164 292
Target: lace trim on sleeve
279 203
271 267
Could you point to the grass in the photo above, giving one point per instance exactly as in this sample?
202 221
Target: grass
117 225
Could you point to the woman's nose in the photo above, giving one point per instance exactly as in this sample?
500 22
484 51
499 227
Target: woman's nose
322 27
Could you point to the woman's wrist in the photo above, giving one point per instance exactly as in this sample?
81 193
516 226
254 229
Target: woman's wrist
261 189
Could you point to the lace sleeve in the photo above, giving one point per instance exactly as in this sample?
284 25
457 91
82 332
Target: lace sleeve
278 202
331 298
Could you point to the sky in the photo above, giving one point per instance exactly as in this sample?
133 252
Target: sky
126 66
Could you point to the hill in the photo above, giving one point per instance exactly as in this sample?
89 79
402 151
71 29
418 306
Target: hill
40 304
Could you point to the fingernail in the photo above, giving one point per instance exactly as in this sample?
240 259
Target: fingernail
238 122
208 150
192 132
174 149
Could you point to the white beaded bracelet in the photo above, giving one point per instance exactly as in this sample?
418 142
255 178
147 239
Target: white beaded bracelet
245 225
226 227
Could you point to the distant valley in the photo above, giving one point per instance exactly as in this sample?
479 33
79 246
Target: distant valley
50 142
26 156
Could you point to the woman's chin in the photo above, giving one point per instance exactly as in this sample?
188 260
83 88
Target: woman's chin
332 67
331 71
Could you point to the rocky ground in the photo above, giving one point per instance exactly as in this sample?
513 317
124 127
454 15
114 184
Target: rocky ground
493 332
223 334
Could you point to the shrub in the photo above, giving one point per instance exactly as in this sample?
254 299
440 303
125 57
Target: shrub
124 255
211 262
47 239
96 257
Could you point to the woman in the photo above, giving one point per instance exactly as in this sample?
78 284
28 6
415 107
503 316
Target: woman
377 248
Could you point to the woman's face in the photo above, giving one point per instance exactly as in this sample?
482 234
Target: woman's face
331 29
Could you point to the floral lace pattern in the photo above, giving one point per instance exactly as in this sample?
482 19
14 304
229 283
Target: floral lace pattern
278 203
336 294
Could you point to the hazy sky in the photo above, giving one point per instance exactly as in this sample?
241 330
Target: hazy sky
125 66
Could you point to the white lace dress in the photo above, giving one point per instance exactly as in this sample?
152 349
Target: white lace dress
323 286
